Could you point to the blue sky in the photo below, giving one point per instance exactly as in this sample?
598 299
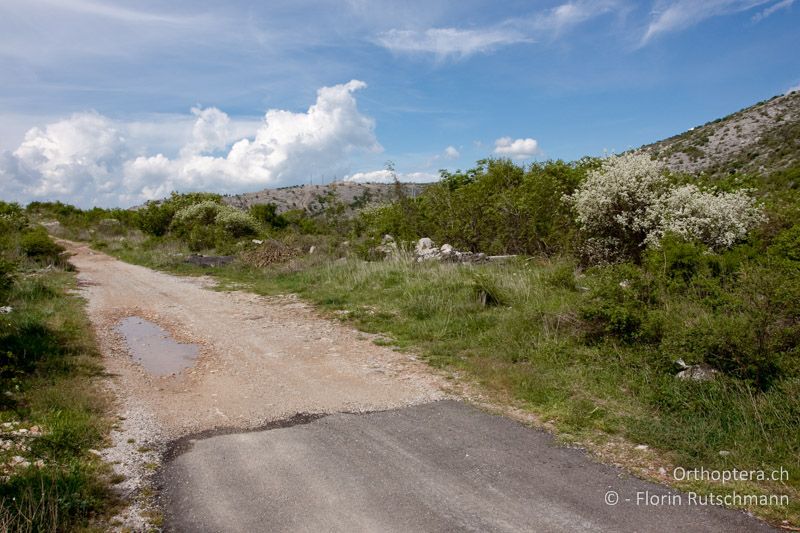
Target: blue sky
113 102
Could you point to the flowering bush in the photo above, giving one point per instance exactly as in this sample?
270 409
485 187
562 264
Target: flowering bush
614 205
208 223
199 213
628 204
718 220
235 222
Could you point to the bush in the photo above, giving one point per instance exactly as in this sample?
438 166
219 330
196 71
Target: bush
210 224
613 205
618 305
629 204
236 223
7 271
787 244
156 217
717 220
38 245
267 214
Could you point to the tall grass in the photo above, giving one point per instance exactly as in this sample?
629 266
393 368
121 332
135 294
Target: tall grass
48 375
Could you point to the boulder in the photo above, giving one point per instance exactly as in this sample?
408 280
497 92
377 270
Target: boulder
424 246
701 372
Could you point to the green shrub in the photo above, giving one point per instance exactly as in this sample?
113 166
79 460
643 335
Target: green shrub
209 224
562 276
236 223
787 244
267 214
155 218
618 305
7 271
38 245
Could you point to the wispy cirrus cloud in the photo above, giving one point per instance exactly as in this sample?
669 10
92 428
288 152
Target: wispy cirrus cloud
566 16
452 42
679 15
764 13
119 13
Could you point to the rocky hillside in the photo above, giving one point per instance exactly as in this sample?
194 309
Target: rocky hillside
312 197
759 139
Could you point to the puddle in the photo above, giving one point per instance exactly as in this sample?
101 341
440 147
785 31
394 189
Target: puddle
153 348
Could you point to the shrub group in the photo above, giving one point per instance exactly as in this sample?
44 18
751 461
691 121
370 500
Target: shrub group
629 203
209 224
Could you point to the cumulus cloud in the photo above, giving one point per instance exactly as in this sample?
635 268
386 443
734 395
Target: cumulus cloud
681 14
516 148
87 159
211 131
794 89
451 153
386 176
66 159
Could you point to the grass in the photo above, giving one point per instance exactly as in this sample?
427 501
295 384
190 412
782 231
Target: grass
49 381
516 330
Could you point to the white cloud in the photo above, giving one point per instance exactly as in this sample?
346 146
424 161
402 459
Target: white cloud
681 14
211 131
89 159
571 14
70 156
445 42
450 42
386 176
764 13
451 153
111 12
794 89
516 148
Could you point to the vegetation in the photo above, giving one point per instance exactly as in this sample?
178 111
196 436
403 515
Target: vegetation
51 410
624 269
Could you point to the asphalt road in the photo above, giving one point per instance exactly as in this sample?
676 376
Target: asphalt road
442 466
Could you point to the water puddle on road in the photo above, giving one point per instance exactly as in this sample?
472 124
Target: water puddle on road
154 348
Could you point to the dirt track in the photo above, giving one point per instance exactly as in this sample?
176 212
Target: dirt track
262 358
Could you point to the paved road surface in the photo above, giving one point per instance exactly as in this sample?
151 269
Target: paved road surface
442 466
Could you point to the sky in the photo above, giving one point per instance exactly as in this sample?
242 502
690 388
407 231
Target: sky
112 103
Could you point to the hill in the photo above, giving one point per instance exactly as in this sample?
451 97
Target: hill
762 138
312 197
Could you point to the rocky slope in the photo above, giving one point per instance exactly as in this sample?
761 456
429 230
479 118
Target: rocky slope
759 139
312 197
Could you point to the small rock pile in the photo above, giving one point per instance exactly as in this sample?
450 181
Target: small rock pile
426 251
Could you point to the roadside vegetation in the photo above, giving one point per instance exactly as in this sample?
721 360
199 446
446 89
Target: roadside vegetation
625 275
52 412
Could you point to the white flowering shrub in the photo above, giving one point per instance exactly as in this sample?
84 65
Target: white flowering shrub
718 220
212 214
614 205
236 223
628 204
200 213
